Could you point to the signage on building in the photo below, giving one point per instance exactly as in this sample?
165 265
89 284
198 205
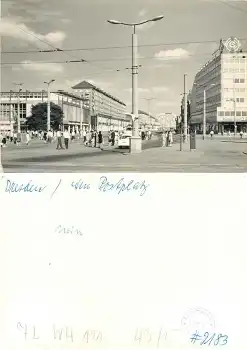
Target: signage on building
232 45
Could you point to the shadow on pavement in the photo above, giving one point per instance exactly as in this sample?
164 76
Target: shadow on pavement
64 156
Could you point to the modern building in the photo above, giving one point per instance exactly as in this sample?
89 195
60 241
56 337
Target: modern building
75 108
223 80
106 111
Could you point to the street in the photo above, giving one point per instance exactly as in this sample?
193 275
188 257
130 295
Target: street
217 155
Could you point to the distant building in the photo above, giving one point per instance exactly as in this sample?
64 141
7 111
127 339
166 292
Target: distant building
74 107
224 78
146 120
167 120
106 111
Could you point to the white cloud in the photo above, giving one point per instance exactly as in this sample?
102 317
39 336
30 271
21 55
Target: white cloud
160 89
42 67
172 54
14 29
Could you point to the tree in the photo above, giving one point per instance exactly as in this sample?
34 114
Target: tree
38 118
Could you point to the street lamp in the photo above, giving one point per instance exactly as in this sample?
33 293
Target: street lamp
48 104
18 109
204 106
135 146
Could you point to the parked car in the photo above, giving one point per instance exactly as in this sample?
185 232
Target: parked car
124 141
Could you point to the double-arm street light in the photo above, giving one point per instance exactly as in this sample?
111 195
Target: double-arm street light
205 89
135 145
48 104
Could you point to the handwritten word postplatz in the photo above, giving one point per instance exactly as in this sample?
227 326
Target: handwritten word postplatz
107 261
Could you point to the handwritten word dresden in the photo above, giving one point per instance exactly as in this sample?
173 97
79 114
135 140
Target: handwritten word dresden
14 187
122 186
68 230
209 339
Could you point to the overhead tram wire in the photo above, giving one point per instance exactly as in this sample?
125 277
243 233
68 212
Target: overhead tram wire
100 60
232 6
113 47
55 49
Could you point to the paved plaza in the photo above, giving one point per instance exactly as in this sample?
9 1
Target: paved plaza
217 155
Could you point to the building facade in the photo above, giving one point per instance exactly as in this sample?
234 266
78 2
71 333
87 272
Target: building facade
106 111
223 80
167 120
75 109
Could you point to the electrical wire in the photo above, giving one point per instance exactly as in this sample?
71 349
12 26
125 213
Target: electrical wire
55 49
100 60
114 47
232 6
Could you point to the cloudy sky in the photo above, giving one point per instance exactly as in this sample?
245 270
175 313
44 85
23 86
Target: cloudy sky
181 43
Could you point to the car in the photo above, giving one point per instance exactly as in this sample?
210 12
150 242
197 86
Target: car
124 141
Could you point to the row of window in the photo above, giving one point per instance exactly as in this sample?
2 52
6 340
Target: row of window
234 70
232 113
236 89
239 81
235 60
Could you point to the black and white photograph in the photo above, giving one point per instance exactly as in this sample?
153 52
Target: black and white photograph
123 86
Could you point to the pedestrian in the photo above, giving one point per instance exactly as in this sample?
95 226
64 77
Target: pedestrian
73 136
59 140
164 139
4 140
84 135
45 137
49 136
11 136
18 139
100 140
66 138
170 138
27 138
113 138
241 134
88 138
211 134
15 137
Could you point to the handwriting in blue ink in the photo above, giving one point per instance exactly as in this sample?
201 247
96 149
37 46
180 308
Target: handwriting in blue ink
29 187
122 186
80 185
209 339
68 230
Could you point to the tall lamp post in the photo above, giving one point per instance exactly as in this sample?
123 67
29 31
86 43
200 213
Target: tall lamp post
204 107
48 104
18 109
135 145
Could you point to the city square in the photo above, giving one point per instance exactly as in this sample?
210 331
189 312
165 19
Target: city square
220 154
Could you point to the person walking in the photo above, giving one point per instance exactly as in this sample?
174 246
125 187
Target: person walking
59 140
113 138
66 138
211 134
100 140
241 134
84 135
27 138
170 138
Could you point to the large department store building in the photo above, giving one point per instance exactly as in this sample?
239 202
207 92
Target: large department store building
224 78
75 108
